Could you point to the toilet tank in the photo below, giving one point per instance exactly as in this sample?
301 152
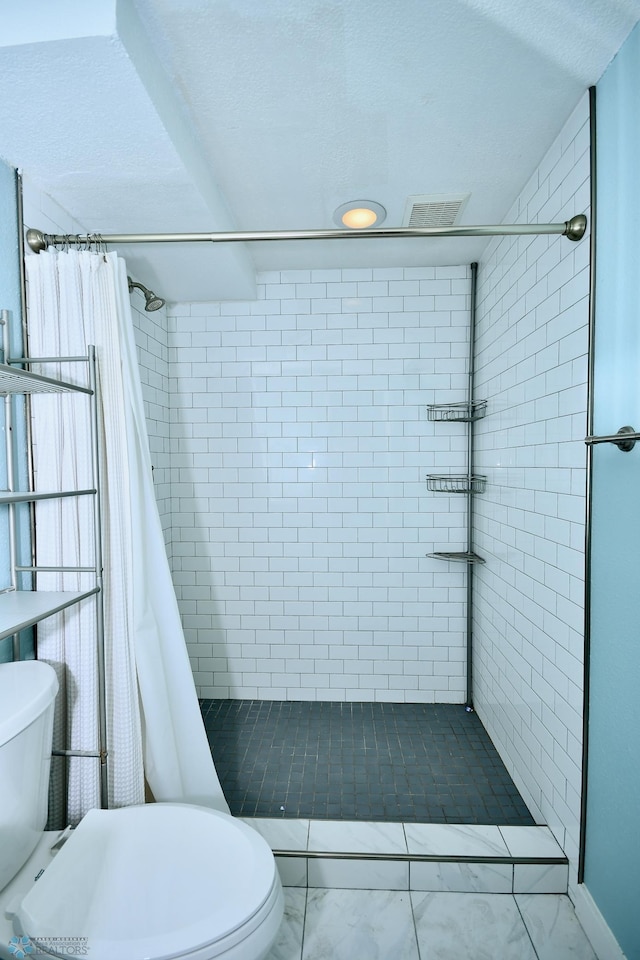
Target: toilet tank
27 694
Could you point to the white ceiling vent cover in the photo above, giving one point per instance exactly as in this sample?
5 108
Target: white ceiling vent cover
436 210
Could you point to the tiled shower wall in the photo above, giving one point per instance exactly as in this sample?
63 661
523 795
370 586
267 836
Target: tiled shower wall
302 518
530 524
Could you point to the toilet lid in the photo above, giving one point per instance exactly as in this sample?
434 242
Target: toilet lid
157 880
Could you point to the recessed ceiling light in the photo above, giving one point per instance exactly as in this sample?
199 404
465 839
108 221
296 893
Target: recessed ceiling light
359 214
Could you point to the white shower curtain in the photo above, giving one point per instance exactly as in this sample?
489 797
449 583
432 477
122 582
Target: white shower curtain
155 731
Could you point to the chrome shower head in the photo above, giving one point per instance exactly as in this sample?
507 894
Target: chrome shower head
152 302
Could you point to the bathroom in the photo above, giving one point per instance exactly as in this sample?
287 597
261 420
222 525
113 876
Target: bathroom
290 442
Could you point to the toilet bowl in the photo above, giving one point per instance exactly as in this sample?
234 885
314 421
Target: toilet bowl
159 881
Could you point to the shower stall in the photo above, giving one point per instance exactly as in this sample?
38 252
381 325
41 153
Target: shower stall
303 518
319 556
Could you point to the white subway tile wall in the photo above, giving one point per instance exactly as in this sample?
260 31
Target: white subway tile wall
530 524
301 522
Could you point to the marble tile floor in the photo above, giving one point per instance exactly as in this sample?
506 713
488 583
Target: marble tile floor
338 924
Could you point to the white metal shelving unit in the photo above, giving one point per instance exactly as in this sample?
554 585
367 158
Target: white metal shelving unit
23 608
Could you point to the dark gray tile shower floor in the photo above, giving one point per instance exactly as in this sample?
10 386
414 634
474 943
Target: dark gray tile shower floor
426 763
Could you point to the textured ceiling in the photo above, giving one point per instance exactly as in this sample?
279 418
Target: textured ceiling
175 115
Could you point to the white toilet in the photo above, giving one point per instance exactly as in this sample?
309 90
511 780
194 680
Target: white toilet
161 881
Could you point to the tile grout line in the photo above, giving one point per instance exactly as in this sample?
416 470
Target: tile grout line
304 920
415 925
533 946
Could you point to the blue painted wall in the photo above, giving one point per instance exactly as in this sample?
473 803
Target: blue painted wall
612 855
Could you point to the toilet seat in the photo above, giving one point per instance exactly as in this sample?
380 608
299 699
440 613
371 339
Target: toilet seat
158 880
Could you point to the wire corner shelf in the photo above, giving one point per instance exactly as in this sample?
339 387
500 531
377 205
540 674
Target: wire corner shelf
457 412
437 483
462 556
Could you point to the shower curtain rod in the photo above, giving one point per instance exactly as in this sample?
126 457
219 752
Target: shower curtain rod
573 229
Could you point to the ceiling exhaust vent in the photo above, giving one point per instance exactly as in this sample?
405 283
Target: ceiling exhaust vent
436 210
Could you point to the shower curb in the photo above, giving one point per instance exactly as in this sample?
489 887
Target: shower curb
368 865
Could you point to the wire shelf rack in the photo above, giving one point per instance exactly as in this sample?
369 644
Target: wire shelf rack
457 412
14 380
455 484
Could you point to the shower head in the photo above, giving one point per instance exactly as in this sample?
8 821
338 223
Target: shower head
152 302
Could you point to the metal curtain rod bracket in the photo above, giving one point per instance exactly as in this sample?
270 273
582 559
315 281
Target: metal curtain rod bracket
574 229
624 439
